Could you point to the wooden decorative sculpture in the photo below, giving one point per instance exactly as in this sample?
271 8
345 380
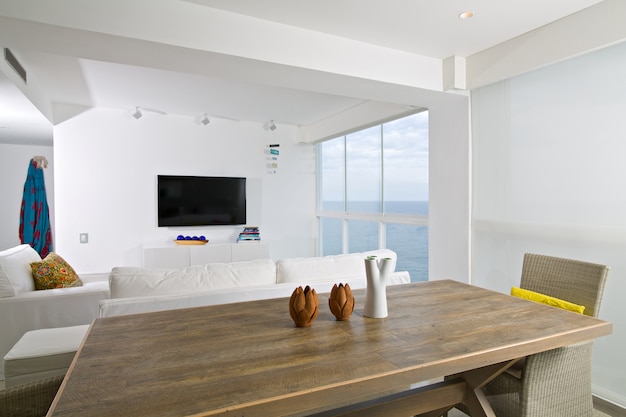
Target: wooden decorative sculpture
341 302
303 306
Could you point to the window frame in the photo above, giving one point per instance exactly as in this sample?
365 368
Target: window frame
345 216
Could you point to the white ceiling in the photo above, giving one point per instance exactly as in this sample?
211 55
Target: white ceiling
424 27
97 69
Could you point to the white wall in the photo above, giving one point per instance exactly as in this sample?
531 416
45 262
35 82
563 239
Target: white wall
107 162
105 176
549 177
14 160
449 188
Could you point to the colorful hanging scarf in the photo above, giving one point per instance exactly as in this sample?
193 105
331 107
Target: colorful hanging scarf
34 215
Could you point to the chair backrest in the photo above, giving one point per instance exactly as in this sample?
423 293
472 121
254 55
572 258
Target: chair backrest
575 281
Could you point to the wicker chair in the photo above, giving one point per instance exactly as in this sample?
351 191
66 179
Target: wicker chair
29 400
557 382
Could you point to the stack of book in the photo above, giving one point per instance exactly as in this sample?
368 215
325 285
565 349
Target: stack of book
249 234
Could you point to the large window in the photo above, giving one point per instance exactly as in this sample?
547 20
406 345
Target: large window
373 192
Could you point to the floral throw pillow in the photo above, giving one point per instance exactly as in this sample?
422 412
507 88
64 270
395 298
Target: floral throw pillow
54 272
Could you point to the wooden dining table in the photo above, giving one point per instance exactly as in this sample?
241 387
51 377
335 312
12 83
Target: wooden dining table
442 341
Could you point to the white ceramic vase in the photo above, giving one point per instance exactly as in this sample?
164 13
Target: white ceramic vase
377 271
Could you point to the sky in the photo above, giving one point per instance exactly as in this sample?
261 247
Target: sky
404 157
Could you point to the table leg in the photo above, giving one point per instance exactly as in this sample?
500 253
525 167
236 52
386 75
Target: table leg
431 400
441 396
475 399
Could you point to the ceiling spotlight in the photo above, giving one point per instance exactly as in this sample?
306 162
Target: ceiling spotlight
269 126
466 15
205 120
137 114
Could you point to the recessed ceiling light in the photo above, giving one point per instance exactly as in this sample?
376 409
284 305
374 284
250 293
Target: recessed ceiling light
466 15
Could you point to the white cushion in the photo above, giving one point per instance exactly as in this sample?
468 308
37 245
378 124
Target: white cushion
137 282
235 274
46 342
334 267
42 353
319 269
133 282
16 275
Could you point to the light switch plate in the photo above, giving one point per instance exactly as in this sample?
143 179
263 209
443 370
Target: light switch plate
84 238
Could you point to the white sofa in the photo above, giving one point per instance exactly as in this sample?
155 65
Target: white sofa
141 290
22 308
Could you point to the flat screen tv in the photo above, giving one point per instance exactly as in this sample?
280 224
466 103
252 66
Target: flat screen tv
201 201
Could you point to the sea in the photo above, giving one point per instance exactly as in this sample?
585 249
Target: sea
410 242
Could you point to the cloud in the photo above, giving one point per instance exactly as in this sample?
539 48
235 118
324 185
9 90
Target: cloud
404 154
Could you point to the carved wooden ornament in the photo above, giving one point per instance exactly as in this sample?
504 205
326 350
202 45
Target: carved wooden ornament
341 302
303 306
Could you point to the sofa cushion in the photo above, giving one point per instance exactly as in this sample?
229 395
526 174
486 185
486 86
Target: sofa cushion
547 300
42 353
333 267
235 274
54 272
137 282
15 274
133 281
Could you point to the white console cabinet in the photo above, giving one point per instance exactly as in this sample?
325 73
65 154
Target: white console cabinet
181 256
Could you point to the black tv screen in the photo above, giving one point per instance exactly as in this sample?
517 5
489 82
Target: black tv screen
201 201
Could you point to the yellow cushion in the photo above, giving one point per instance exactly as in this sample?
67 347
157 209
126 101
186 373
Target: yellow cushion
546 299
54 272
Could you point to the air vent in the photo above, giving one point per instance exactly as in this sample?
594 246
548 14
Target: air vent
15 64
